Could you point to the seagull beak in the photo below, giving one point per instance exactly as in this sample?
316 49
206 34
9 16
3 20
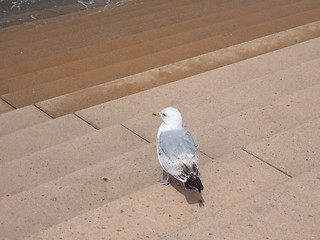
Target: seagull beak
156 114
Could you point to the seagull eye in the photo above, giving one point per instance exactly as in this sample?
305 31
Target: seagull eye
164 115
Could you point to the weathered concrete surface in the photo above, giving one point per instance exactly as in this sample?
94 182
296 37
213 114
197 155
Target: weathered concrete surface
169 14
145 102
294 151
287 211
251 125
37 137
99 76
92 50
68 180
129 85
160 210
222 103
65 158
21 118
79 192
141 44
5 107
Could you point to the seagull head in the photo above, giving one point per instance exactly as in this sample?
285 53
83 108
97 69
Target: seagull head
171 117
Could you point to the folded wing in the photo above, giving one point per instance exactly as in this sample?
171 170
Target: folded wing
179 157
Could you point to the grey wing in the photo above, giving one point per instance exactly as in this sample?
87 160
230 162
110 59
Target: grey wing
177 150
177 142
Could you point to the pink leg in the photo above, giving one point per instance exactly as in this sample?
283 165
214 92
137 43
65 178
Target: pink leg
176 182
165 181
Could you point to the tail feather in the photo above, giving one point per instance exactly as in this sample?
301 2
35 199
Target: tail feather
193 182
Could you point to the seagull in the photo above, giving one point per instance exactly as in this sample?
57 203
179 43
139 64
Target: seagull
177 152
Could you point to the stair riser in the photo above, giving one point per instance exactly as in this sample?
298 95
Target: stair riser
64 86
206 28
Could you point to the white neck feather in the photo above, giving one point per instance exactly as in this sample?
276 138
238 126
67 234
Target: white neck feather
167 127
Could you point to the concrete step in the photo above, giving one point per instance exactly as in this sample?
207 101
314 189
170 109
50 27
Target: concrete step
90 51
86 190
223 102
239 97
103 19
161 39
50 25
104 148
127 216
92 18
288 209
57 186
77 82
219 104
102 33
149 213
170 94
5 107
19 166
95 95
21 118
67 157
204 137
243 127
37 137
98 169
293 152
257 123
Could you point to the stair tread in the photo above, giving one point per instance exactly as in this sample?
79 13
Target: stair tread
226 140
92 21
84 17
159 97
230 188
254 116
157 36
59 161
81 152
98 94
249 94
288 209
105 32
294 151
280 115
95 77
86 189
145 213
21 118
237 98
260 90
29 140
5 107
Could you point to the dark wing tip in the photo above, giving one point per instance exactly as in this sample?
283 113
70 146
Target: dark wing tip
193 182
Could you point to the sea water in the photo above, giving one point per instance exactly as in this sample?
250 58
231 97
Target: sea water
9 8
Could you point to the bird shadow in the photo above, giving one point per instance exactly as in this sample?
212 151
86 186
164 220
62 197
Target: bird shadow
192 196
